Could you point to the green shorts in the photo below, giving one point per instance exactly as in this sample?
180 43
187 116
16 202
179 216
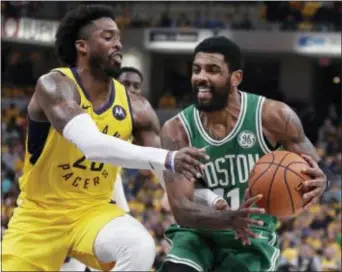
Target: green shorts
219 251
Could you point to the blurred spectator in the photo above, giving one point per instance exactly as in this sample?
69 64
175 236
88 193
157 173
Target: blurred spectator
306 260
167 101
293 15
245 23
327 131
306 24
132 79
330 260
165 20
183 21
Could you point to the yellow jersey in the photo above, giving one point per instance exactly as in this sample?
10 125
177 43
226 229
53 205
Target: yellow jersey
56 172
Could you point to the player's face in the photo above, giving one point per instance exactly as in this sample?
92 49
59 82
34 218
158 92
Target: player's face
104 49
131 81
210 81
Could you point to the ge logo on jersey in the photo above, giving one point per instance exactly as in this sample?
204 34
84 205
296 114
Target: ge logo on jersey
246 139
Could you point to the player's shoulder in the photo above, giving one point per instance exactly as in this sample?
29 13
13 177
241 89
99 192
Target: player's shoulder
55 85
274 107
173 128
275 112
52 80
139 103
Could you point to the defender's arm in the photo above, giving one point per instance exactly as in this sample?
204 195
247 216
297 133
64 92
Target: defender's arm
146 133
55 95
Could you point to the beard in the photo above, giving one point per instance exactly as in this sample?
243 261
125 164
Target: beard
101 65
218 101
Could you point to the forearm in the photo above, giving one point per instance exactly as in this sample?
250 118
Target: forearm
96 146
302 146
194 215
202 196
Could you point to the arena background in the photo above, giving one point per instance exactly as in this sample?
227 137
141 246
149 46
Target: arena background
292 53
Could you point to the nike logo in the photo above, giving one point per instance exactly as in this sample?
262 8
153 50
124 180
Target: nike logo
152 167
85 107
260 236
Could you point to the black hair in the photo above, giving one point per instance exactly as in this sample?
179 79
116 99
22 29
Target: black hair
222 45
74 25
132 70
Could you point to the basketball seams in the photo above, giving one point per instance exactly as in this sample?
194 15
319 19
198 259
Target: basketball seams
288 190
289 169
256 179
272 181
270 164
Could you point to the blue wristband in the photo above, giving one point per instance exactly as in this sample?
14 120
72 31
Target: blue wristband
170 163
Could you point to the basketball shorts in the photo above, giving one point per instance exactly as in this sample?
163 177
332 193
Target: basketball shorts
219 251
40 238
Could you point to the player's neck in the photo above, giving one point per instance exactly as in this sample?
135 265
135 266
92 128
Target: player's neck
224 116
95 86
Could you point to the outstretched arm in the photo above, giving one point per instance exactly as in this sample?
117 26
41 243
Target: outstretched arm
55 96
146 133
180 191
284 126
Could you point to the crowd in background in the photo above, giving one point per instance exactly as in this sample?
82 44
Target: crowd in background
267 15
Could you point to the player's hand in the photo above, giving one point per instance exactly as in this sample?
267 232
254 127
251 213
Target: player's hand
242 234
187 161
242 223
315 187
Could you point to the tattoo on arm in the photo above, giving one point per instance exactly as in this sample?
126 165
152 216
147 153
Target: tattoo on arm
297 141
284 124
57 97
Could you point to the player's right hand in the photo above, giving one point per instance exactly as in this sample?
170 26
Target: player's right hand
187 161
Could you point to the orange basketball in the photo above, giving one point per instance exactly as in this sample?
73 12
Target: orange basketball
278 177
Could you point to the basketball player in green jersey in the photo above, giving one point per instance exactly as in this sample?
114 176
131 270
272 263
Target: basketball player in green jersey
236 129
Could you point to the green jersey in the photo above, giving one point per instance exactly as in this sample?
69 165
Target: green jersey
232 158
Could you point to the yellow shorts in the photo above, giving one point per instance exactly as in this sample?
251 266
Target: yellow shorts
40 238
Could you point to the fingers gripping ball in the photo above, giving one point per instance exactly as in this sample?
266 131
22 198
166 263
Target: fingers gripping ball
278 177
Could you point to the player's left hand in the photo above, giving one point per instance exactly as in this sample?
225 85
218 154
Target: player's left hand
315 187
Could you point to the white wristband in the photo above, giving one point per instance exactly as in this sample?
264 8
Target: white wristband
173 161
206 197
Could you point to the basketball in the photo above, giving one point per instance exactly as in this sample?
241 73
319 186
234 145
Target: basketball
278 177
